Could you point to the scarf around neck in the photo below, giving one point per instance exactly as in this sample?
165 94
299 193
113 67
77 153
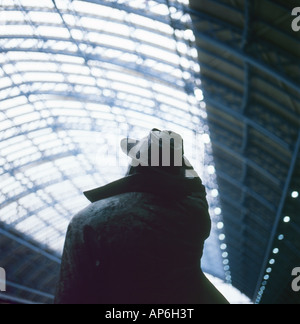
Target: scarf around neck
164 185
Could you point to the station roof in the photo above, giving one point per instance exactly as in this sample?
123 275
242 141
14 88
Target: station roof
77 76
249 56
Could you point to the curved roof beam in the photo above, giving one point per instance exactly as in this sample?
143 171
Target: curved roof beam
25 242
242 55
292 115
248 121
148 72
30 290
239 156
247 190
241 68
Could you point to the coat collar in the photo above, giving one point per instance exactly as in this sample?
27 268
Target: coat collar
166 186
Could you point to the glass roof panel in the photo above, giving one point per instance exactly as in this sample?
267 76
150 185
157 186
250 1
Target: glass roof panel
75 78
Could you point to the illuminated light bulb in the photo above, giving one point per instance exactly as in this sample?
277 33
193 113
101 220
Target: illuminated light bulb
295 194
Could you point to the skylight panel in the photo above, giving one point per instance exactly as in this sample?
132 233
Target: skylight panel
98 107
32 201
38 135
156 39
160 54
5 82
173 102
8 181
21 153
59 190
13 189
51 31
42 76
159 9
46 4
30 225
10 16
45 17
14 102
48 234
26 118
4 126
170 91
63 58
13 145
111 41
62 103
27 56
75 69
82 79
32 66
93 9
152 120
20 110
93 23
41 170
16 30
151 24
131 89
13 92
8 214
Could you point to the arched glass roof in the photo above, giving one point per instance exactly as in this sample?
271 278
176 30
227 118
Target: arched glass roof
75 78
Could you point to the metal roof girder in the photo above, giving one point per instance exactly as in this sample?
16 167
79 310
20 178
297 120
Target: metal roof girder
249 191
30 246
278 214
248 121
246 57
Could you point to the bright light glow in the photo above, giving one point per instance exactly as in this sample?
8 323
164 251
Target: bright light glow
295 194
220 225
215 193
224 255
222 237
233 295
211 169
199 94
218 211
223 246
287 219
206 139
